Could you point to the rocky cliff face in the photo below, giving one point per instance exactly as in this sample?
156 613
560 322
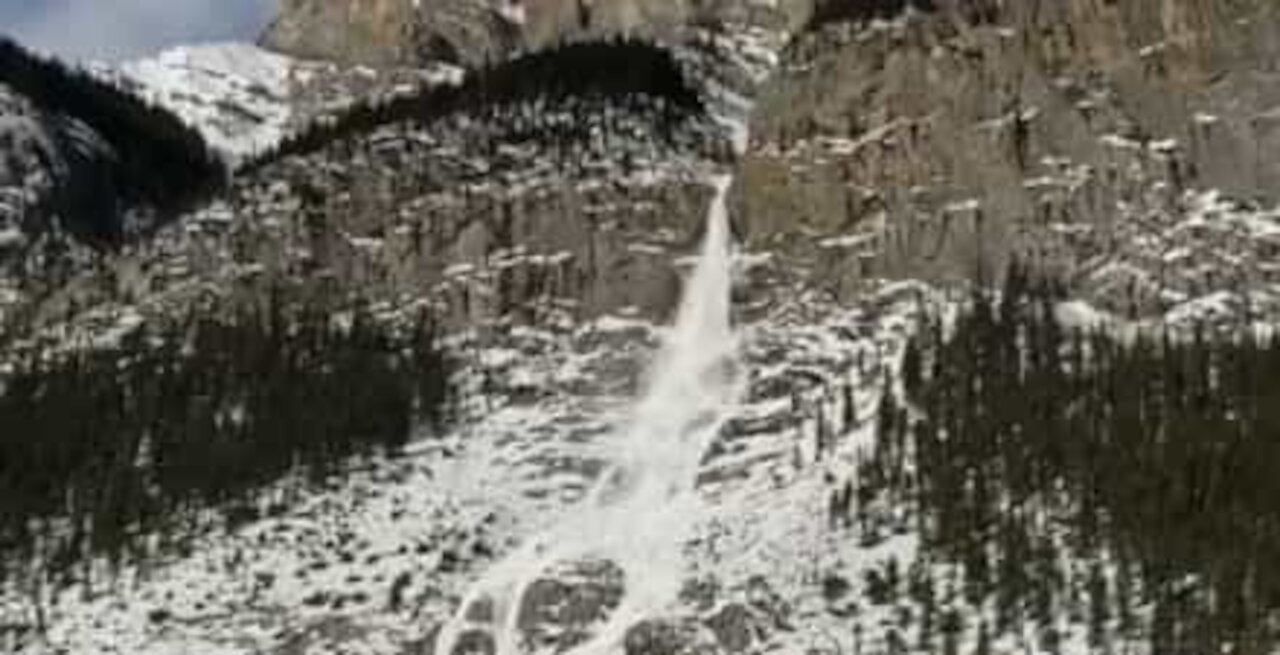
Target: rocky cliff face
485 225
938 139
1128 146
388 32
561 209
365 31
1067 132
52 169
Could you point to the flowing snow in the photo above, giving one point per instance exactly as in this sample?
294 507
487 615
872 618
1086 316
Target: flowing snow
640 512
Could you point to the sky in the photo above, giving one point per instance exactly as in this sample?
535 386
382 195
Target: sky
113 30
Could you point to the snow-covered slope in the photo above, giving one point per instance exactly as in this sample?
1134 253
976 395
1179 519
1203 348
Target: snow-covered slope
376 561
236 94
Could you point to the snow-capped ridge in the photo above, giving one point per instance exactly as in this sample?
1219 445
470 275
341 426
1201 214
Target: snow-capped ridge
236 94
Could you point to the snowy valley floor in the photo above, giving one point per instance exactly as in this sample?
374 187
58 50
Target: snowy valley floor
378 560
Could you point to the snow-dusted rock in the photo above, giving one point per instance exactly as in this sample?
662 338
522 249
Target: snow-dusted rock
237 95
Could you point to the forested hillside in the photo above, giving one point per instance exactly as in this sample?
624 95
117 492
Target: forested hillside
105 450
152 162
587 77
1076 478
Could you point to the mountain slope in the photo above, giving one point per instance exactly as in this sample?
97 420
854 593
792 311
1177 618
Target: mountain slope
156 162
237 95
545 184
86 166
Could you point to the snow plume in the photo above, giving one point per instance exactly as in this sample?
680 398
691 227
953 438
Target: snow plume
641 511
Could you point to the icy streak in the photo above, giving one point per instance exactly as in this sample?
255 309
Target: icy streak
640 512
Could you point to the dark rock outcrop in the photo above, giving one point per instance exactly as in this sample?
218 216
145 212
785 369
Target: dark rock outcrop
669 637
562 609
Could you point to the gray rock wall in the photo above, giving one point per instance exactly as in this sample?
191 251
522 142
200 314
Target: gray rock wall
930 144
405 32
517 231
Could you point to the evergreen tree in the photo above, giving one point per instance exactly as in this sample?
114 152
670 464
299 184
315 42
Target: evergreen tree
137 439
1156 453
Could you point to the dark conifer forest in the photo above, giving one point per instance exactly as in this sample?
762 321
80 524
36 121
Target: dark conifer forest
155 161
622 73
102 450
1023 446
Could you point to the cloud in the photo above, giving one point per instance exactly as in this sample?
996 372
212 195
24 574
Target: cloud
119 29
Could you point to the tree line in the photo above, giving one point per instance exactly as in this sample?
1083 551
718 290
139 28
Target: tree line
589 75
103 450
1021 444
155 161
